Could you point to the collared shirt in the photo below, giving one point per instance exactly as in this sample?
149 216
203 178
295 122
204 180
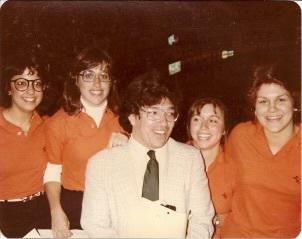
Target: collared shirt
140 160
53 171
22 158
267 195
72 140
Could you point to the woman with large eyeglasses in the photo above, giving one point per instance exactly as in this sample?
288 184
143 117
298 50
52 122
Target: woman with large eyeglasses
23 204
206 128
87 124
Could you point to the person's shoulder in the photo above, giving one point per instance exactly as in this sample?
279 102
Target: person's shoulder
40 120
111 155
244 132
244 126
116 151
247 127
59 115
182 148
173 143
111 115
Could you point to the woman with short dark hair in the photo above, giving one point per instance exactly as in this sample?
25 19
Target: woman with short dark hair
207 129
23 205
266 152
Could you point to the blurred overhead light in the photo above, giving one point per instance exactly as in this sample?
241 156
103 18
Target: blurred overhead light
174 67
226 54
172 39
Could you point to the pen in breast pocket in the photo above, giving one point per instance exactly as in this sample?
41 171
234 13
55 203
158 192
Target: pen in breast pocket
169 206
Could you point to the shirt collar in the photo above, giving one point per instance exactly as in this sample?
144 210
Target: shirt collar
95 112
92 109
160 153
35 121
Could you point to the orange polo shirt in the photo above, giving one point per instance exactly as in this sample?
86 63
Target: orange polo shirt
220 175
221 182
22 158
266 199
72 140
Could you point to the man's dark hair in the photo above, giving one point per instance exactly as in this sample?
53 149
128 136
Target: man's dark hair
146 90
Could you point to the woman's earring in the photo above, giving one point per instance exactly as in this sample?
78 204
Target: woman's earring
295 109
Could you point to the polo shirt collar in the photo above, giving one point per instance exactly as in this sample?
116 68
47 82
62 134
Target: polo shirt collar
35 121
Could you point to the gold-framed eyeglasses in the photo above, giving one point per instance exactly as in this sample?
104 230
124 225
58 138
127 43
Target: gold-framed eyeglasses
156 114
22 84
90 76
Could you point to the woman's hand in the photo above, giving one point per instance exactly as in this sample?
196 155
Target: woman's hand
117 139
60 224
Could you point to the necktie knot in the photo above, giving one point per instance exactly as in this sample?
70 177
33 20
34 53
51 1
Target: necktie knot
151 154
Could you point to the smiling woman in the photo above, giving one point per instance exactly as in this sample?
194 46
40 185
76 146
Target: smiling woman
206 127
267 155
94 84
26 90
87 124
23 205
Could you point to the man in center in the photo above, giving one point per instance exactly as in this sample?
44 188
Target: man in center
152 165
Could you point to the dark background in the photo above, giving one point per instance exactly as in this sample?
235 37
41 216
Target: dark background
136 32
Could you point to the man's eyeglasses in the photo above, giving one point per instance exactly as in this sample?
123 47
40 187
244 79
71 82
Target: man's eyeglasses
22 84
156 114
90 76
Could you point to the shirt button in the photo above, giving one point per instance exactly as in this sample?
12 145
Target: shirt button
19 133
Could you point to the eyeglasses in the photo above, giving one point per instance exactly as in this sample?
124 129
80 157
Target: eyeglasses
22 84
90 76
156 114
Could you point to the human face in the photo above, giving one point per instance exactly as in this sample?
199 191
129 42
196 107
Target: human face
274 108
96 91
207 127
153 134
29 99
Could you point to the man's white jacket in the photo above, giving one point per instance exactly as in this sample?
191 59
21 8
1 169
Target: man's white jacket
110 190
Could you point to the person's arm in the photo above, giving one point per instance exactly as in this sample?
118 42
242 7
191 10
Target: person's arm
200 204
55 135
96 218
59 220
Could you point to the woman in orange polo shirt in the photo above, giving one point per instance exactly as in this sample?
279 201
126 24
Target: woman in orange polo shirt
206 126
23 205
87 124
267 155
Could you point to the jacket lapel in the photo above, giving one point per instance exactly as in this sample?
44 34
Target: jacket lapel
174 183
123 179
